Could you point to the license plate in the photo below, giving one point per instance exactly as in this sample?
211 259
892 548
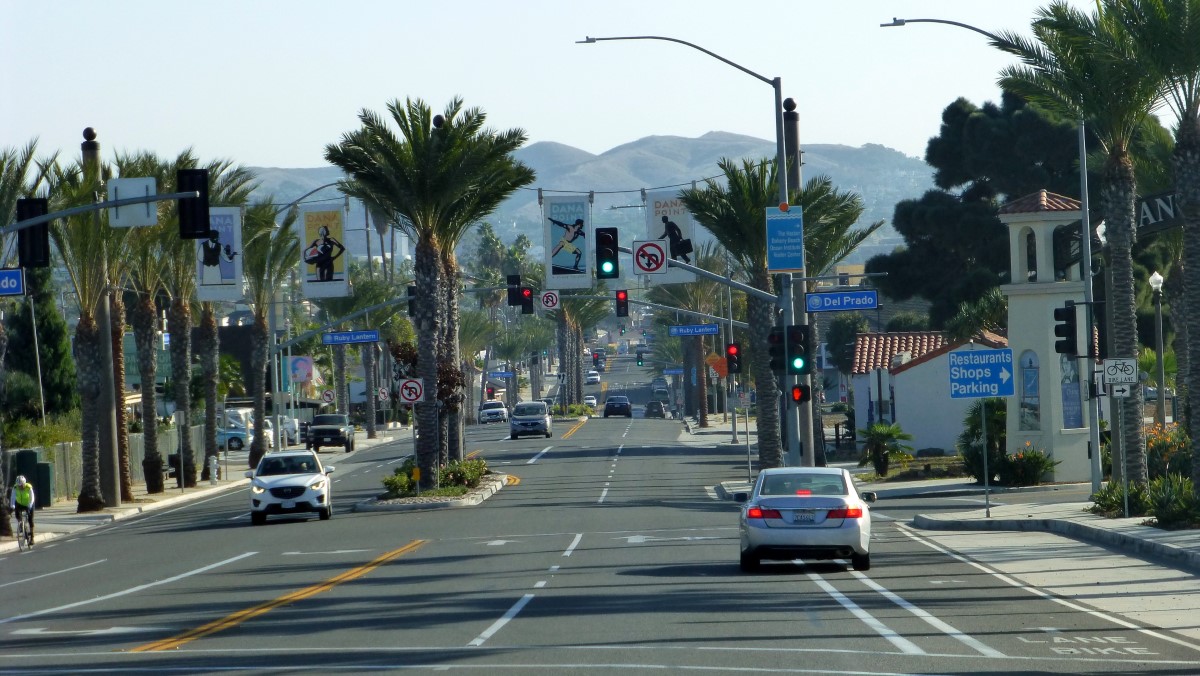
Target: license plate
328 438
289 504
803 517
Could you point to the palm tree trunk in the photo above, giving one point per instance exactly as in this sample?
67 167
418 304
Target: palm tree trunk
1117 201
89 363
427 323
817 394
339 379
116 311
1186 162
702 381
1173 291
452 354
367 353
761 317
209 348
179 324
143 318
5 520
260 335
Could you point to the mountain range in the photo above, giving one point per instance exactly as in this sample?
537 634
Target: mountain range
882 177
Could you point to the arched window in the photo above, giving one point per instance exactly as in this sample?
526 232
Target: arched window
1031 400
1029 267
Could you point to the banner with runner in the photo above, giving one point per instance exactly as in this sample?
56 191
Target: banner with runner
568 232
668 220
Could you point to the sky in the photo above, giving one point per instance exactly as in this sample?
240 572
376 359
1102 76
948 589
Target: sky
270 83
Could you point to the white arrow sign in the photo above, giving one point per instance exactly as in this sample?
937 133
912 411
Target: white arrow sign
1120 390
642 539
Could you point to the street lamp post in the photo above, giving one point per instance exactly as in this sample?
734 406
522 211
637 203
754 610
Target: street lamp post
1156 283
799 431
1085 266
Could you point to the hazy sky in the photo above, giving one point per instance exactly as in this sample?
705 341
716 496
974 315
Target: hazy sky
271 82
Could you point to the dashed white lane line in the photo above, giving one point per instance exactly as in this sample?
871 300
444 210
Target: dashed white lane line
499 624
905 645
57 572
573 545
965 639
535 458
603 494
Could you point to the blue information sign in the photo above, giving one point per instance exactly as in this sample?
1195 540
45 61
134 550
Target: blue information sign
673 372
12 282
500 374
694 330
975 374
347 337
840 301
785 240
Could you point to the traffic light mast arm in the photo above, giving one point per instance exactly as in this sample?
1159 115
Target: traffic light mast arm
87 208
723 320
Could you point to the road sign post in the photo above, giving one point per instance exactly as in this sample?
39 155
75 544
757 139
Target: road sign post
412 391
977 374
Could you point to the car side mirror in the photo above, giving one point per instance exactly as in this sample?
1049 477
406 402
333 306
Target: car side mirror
870 496
249 474
741 496
329 469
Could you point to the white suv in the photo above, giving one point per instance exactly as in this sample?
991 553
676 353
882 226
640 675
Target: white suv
493 411
290 482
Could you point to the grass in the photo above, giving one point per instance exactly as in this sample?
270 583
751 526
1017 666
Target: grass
948 467
444 492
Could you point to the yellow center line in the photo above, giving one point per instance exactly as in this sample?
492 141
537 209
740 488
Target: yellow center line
250 613
574 429
474 453
603 390
512 480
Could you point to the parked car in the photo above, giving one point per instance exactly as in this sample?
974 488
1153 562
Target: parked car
493 411
602 366
590 400
661 394
331 429
655 409
593 378
618 406
290 482
659 383
234 438
805 513
530 417
291 431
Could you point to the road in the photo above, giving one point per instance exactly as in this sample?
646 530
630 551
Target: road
612 553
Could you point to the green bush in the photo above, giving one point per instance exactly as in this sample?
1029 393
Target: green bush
580 410
1168 451
466 473
970 441
1110 500
400 482
1172 500
1026 467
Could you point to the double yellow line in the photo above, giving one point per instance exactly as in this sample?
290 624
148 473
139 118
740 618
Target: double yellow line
250 613
573 430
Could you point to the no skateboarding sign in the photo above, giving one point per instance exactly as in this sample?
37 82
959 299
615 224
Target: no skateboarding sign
649 257
412 391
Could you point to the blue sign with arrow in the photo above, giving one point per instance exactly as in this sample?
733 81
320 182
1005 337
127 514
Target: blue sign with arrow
975 374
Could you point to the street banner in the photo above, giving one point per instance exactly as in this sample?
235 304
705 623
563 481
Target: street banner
568 231
219 257
667 219
300 369
324 258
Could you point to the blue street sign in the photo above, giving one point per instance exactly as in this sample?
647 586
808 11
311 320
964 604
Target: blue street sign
694 330
785 240
500 374
673 372
840 301
12 282
975 374
347 337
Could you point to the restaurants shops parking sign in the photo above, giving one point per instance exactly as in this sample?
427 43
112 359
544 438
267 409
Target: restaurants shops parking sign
975 374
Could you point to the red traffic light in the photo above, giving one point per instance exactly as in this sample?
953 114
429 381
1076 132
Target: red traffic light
526 292
800 394
622 295
732 350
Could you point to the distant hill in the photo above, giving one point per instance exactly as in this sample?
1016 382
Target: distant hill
881 175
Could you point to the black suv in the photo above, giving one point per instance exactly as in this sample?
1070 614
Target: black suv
618 406
330 429
655 409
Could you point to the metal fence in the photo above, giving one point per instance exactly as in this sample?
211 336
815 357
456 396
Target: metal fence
67 458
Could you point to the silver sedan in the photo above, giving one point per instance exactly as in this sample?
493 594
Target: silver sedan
805 513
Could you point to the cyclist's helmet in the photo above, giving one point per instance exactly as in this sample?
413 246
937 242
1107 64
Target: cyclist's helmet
21 480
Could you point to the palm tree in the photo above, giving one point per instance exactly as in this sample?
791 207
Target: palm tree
1074 65
1167 37
881 445
733 212
441 174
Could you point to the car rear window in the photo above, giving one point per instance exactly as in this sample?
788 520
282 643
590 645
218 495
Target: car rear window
530 409
794 484
493 404
329 419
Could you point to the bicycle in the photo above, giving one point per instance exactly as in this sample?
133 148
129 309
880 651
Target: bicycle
24 532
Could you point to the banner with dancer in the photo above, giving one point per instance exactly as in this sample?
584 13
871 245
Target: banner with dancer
324 258
568 231
669 220
219 258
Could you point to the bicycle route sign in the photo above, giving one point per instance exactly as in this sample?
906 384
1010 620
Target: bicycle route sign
976 374
649 257
1120 371
412 391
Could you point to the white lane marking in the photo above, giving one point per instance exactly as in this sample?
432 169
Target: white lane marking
43 631
619 449
603 494
239 516
1038 592
540 584
401 458
574 544
57 572
332 551
535 458
905 645
125 592
965 639
499 624
554 569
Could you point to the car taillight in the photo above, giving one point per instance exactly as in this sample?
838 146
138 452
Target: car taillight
760 513
845 513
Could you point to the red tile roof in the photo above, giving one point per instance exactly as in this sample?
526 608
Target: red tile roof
875 350
985 338
1041 200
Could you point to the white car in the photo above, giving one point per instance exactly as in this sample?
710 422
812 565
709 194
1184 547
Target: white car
590 400
593 378
493 411
805 513
290 482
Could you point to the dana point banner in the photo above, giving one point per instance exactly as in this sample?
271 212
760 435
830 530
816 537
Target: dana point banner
669 220
219 257
324 258
568 233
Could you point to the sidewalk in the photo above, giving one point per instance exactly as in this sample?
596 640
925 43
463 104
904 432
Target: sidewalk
62 520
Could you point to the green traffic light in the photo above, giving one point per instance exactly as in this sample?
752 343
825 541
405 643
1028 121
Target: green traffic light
798 363
607 266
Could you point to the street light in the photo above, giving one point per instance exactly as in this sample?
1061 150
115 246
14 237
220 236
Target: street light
1085 267
1156 282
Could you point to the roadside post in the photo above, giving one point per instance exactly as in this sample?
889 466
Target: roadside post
978 374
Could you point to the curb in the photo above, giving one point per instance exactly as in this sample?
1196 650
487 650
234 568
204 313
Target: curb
493 484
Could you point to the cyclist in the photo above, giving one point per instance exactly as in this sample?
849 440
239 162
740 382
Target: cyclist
22 500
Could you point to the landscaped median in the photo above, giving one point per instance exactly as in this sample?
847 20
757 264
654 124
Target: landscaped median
487 487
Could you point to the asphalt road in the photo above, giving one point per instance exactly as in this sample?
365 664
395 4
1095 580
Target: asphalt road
611 553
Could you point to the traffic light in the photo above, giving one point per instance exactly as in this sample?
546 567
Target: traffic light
622 303
622 329
1066 328
777 350
733 357
412 301
491 392
640 360
33 243
595 359
193 211
798 350
526 300
514 290
608 266
801 394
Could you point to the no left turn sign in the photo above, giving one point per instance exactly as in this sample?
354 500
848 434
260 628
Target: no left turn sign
649 257
550 300
412 391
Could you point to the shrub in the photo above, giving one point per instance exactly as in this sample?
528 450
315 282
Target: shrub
1172 500
1026 467
1168 451
576 410
881 445
970 441
401 482
1110 500
466 473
